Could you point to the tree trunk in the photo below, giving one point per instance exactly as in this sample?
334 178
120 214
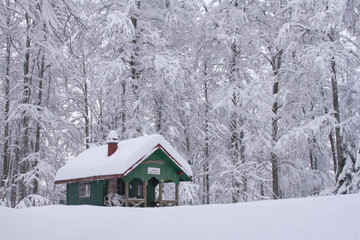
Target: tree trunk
236 138
242 159
14 170
6 153
86 106
331 137
276 64
336 106
312 157
134 68
333 150
24 165
158 107
234 150
206 148
123 111
38 128
338 136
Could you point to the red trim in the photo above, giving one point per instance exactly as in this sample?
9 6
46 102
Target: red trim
180 172
154 149
131 168
167 153
94 178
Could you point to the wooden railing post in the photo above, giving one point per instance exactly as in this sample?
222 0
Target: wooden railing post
160 192
177 193
145 193
126 194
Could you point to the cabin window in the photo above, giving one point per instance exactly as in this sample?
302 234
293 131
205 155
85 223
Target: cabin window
140 188
84 189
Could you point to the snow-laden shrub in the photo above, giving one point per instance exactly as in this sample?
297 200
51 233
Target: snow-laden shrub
114 200
33 200
188 194
4 203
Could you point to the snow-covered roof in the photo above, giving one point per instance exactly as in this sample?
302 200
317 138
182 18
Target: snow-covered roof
94 161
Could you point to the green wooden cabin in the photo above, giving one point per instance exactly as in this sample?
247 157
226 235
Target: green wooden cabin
124 173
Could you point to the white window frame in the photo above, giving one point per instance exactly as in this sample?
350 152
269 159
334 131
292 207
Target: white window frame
84 189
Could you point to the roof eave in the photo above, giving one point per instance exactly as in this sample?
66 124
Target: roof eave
94 178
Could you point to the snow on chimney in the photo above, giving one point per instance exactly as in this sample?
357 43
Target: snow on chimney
112 141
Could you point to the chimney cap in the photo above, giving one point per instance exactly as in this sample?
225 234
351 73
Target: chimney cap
112 137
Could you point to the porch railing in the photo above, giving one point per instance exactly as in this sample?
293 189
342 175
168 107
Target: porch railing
136 202
167 203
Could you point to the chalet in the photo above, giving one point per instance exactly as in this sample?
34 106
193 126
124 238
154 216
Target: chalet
129 169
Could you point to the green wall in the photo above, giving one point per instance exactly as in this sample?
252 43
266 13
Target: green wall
98 190
158 159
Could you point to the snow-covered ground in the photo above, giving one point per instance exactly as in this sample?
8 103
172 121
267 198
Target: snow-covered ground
328 218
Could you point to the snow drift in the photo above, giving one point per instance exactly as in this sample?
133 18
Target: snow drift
330 218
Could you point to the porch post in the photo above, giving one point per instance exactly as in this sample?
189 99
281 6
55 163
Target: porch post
126 194
145 193
177 193
160 193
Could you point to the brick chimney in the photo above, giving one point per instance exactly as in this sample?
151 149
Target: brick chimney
112 141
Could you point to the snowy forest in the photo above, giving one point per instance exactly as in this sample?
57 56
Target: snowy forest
262 97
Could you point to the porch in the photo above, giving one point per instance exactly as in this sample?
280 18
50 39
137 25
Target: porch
139 193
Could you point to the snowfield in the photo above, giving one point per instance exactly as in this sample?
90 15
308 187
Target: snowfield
328 218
